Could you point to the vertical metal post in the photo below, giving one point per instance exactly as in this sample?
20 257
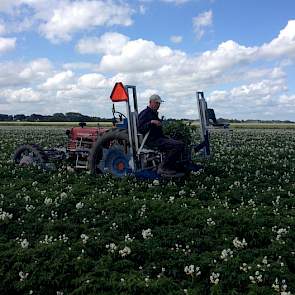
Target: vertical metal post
130 132
202 106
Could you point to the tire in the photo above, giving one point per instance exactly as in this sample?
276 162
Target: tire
103 142
27 154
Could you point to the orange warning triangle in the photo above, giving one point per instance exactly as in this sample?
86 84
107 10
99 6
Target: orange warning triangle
119 93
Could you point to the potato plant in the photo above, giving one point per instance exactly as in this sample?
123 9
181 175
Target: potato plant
226 230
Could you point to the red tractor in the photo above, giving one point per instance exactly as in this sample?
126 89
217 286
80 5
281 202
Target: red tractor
119 150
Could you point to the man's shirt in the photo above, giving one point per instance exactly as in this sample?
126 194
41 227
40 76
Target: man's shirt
144 124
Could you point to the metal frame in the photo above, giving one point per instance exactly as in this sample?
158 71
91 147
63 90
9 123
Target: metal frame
202 106
132 124
132 114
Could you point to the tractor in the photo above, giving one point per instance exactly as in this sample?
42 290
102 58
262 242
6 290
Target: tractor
119 150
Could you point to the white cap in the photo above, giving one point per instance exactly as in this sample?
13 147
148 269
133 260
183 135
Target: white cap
156 97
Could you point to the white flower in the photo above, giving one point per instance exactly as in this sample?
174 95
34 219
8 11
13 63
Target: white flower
239 244
210 221
191 270
63 195
4 215
214 278
256 279
182 192
126 251
225 254
25 244
111 247
147 233
29 208
171 199
156 182
84 238
23 275
79 205
48 201
128 239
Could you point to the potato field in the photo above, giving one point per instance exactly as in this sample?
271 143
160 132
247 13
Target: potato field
229 229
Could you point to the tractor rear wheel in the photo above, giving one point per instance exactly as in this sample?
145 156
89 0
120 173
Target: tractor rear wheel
110 153
27 154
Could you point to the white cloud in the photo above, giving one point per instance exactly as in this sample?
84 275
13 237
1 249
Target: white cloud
175 75
20 95
2 29
7 5
16 74
93 81
61 80
288 100
138 56
252 93
202 22
284 44
58 20
108 43
7 44
177 2
39 68
142 9
80 66
70 17
176 39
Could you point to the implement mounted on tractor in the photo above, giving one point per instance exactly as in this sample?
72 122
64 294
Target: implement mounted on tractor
119 150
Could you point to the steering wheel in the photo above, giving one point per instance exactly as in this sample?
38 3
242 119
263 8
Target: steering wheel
118 117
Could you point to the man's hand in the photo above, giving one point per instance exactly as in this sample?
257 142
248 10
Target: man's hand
156 122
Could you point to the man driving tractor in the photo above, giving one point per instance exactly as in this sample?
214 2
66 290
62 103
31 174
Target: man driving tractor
148 121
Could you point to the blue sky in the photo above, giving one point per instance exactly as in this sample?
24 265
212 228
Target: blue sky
63 55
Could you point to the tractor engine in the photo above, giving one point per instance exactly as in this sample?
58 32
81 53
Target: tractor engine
81 140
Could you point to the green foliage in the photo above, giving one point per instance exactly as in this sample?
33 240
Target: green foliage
179 130
66 233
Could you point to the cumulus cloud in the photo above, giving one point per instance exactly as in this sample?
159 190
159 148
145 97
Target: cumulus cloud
20 95
58 20
201 22
93 81
7 44
17 74
138 56
287 103
177 2
76 66
174 74
7 5
284 44
108 43
176 39
70 17
259 93
61 80
2 29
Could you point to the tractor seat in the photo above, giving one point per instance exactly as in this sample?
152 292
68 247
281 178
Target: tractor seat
143 147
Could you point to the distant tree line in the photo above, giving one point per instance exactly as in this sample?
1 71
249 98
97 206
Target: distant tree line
56 117
77 117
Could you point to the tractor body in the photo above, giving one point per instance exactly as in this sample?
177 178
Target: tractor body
119 150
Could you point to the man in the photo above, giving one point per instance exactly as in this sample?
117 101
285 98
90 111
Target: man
148 120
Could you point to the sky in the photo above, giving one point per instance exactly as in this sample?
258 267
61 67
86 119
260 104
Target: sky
66 55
